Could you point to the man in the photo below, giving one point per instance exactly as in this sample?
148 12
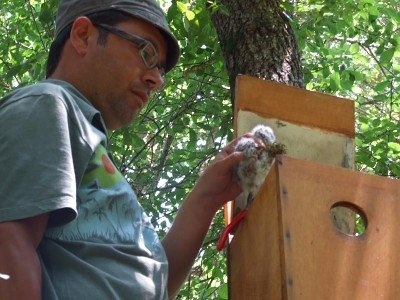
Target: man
70 226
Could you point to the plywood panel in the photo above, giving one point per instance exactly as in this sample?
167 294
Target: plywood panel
298 106
322 263
258 249
288 227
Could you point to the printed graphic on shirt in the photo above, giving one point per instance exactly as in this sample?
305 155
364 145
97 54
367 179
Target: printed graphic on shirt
102 170
108 210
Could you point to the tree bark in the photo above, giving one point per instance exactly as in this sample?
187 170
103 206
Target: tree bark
256 39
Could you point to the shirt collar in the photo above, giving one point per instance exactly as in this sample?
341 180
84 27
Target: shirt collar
87 108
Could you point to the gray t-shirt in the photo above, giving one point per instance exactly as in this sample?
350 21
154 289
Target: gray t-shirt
99 243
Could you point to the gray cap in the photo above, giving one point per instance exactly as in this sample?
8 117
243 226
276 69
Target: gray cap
147 10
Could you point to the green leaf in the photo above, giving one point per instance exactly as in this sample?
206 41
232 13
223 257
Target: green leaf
394 146
181 6
395 168
382 85
137 141
387 56
190 15
335 81
223 292
354 48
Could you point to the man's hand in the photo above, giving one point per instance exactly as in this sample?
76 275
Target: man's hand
218 183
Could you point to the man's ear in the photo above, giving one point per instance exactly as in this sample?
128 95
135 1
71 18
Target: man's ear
81 32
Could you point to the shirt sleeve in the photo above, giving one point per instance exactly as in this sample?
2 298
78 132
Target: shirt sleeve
36 164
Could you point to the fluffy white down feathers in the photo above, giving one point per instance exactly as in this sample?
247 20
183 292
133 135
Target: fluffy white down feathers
255 164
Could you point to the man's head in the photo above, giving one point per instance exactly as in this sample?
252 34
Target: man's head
105 49
146 10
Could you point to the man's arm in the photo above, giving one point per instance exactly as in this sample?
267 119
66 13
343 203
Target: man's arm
18 257
215 187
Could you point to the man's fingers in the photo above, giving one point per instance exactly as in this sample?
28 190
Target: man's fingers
231 160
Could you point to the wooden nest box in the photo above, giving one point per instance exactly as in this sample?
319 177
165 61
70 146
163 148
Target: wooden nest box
291 245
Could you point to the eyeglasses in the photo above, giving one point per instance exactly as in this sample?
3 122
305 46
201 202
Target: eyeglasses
147 50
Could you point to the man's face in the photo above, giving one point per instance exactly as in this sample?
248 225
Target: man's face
121 82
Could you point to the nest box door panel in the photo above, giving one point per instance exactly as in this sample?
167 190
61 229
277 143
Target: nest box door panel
289 247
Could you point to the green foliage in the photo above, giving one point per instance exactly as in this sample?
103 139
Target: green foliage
350 49
26 30
360 225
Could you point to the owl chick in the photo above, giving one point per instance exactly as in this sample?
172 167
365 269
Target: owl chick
255 164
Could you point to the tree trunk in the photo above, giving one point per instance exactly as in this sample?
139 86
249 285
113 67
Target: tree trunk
257 39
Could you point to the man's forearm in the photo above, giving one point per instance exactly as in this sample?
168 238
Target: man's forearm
213 189
24 271
18 257
185 238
